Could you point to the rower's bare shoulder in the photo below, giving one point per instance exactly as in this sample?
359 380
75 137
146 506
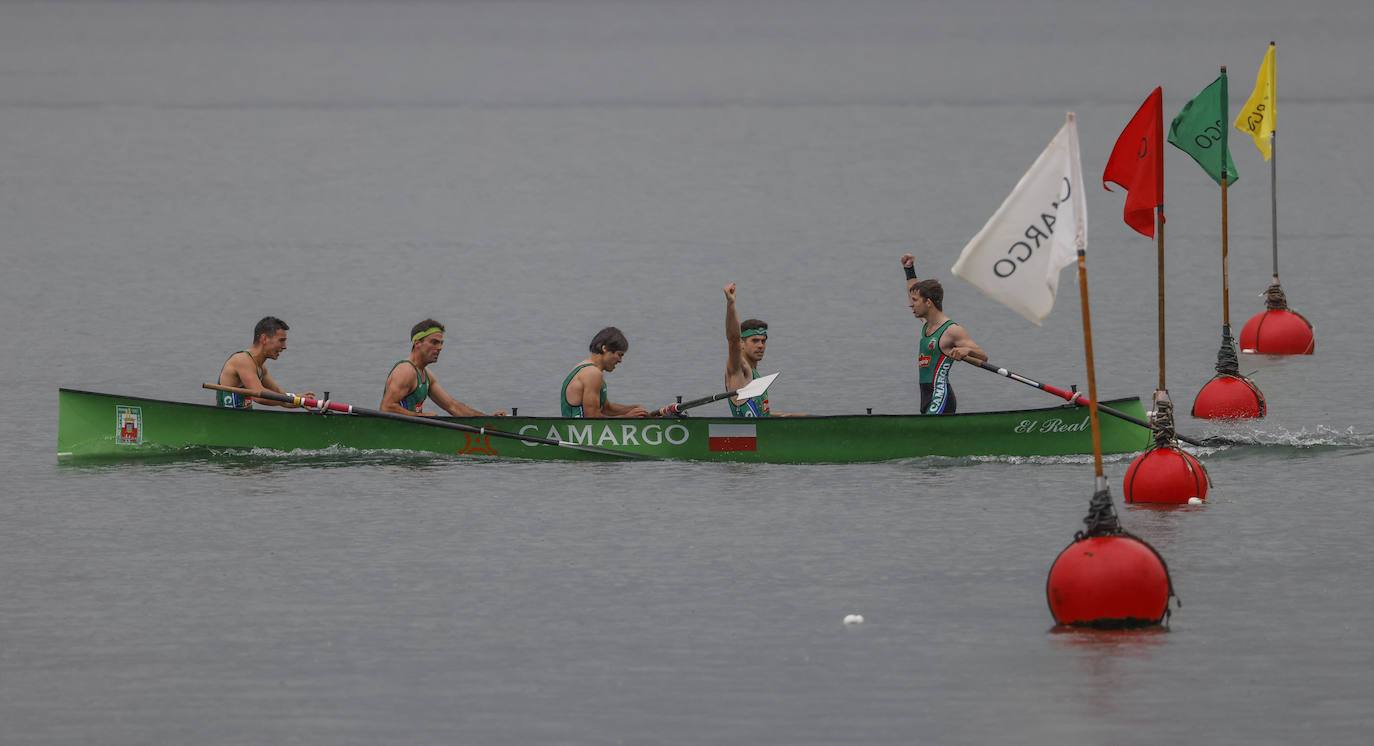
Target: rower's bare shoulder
239 365
229 375
590 375
403 374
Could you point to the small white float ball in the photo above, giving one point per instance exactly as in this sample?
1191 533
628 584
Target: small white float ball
1194 501
854 619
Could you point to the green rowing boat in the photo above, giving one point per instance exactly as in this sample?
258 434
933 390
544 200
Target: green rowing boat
106 426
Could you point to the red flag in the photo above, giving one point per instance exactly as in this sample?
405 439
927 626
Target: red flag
1137 164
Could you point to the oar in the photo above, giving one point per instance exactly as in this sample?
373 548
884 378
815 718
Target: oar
310 403
1073 397
753 389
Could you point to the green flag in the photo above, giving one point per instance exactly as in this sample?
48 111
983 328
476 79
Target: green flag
1200 131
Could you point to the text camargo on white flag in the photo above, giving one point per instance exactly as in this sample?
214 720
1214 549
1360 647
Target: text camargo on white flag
1039 229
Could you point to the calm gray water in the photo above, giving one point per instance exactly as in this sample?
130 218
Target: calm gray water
529 172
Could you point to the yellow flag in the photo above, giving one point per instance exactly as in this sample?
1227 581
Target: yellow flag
1256 117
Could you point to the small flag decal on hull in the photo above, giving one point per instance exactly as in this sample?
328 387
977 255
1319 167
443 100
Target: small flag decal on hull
722 438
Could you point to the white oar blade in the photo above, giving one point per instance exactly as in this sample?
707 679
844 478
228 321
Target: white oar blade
756 387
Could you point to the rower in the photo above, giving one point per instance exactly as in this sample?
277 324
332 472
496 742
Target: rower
584 390
247 369
410 382
942 341
746 342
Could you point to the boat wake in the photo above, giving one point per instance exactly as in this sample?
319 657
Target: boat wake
1223 440
1321 437
945 461
1077 458
341 456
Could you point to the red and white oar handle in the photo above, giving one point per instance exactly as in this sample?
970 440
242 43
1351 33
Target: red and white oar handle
672 410
1073 397
322 405
305 402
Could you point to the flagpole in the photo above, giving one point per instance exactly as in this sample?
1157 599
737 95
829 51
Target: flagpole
1092 376
1159 241
1101 479
1274 197
1228 351
1225 275
1274 172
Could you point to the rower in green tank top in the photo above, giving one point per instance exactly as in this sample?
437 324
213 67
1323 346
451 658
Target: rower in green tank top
584 390
410 382
233 400
415 400
568 410
937 395
247 369
942 342
755 407
746 342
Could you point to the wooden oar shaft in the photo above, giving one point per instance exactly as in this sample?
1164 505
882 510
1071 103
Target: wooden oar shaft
311 403
1073 397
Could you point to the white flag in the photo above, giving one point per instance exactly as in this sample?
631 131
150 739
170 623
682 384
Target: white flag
1016 258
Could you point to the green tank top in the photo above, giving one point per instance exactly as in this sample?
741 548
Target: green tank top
930 360
569 410
229 399
416 398
756 407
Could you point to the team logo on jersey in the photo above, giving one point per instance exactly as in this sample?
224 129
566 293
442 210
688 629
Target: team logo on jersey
129 424
233 401
940 392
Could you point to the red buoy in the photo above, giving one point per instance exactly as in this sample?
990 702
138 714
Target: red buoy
1229 397
1165 475
1278 332
1108 581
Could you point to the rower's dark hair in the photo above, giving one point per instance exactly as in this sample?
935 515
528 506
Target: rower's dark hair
269 326
932 291
612 339
426 324
753 324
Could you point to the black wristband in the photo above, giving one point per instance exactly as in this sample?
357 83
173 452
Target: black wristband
910 272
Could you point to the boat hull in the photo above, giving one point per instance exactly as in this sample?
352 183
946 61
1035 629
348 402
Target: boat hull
103 426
